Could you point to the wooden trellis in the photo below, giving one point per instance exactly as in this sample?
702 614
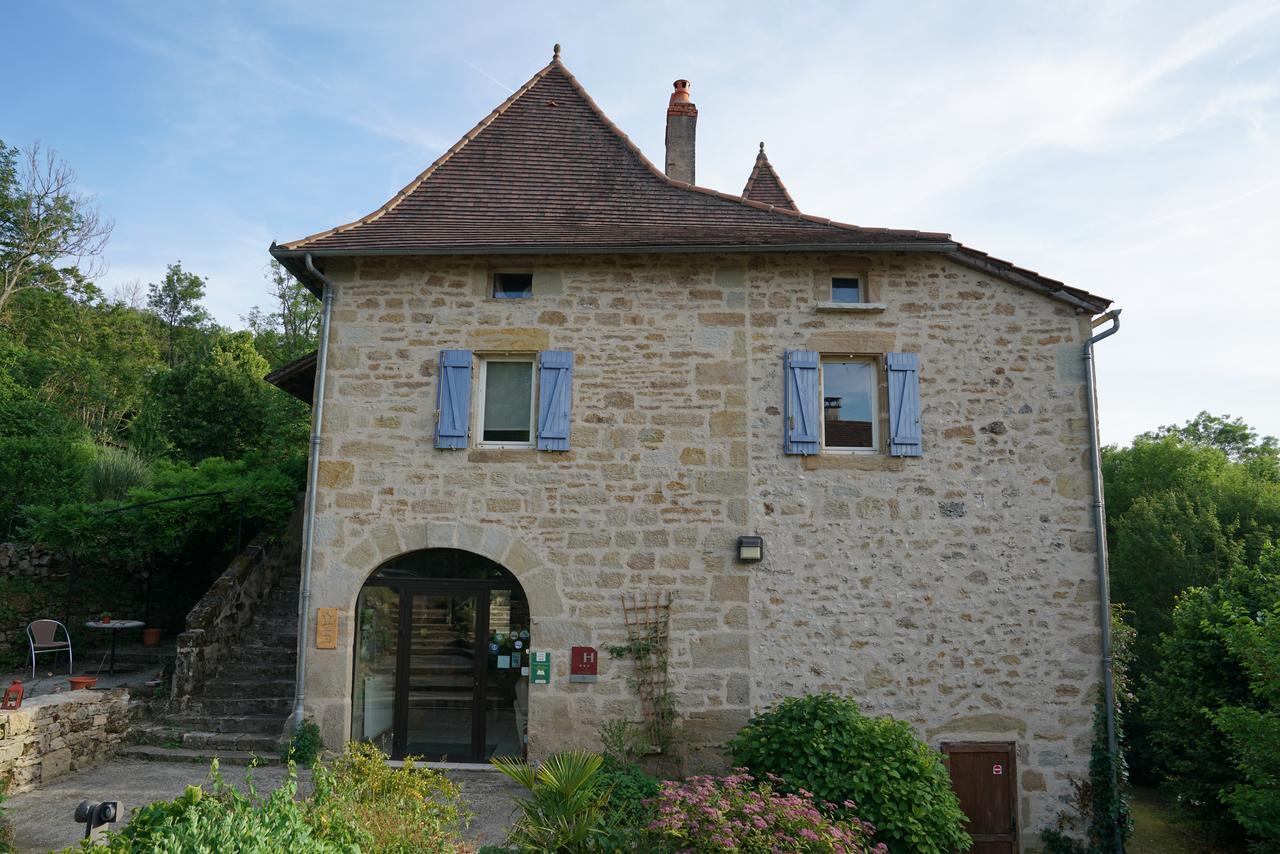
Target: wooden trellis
648 620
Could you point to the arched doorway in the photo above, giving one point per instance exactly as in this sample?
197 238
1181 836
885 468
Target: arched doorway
441 658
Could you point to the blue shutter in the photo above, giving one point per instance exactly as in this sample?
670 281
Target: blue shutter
555 399
802 402
453 399
904 404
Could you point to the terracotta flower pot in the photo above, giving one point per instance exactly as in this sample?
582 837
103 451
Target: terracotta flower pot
151 637
79 682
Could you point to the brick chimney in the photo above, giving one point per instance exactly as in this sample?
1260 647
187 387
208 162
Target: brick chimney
682 126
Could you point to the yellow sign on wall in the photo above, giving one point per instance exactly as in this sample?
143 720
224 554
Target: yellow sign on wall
326 628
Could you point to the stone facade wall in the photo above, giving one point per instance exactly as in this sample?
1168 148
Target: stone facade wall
953 590
55 734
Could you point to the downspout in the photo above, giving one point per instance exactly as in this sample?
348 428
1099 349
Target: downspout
309 514
1100 544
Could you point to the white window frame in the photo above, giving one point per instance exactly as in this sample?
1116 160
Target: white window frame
862 288
481 386
877 369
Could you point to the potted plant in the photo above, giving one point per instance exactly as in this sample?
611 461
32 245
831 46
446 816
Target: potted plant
151 636
105 618
81 682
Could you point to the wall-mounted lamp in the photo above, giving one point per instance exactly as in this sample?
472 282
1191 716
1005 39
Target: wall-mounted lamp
750 549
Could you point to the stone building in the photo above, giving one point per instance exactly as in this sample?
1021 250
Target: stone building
558 379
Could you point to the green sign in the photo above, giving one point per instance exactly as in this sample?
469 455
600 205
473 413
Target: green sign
540 668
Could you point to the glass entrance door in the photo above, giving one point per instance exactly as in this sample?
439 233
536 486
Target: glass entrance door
442 677
442 658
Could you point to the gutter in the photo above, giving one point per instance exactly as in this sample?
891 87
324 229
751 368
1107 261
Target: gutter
309 514
1100 543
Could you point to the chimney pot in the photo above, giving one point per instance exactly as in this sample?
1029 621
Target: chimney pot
682 125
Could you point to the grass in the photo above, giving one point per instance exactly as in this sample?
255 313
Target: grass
1159 829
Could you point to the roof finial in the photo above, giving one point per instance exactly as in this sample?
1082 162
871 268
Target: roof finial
555 51
762 146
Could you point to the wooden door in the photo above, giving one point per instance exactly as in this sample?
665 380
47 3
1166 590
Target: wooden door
985 780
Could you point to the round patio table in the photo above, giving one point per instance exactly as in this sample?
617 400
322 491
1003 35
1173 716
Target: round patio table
114 626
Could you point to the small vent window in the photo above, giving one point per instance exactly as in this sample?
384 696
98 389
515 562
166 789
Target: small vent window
846 289
512 285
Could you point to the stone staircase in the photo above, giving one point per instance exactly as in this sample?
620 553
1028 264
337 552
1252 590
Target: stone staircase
243 709
234 681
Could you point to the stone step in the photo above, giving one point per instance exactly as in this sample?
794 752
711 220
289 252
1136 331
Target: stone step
246 724
276 646
203 756
258 743
255 670
238 707
235 686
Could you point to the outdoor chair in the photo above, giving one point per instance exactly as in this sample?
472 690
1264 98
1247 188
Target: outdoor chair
43 637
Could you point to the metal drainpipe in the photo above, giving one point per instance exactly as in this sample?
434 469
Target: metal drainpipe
1100 543
309 517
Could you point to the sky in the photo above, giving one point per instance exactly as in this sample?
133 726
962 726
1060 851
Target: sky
1131 149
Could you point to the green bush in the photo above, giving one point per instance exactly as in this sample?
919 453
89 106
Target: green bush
359 804
305 746
566 811
628 788
823 744
360 800
38 470
115 471
225 820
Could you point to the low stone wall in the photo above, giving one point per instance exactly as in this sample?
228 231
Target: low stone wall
58 733
23 560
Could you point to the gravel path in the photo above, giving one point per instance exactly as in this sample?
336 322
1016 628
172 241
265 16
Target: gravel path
43 820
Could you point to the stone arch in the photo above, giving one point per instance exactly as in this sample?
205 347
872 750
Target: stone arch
501 546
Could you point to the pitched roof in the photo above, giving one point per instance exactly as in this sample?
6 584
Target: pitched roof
764 185
547 172
547 169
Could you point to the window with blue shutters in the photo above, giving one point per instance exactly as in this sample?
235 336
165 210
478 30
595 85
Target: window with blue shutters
904 404
555 399
802 402
453 399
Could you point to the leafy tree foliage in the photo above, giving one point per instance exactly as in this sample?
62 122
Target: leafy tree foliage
50 235
289 328
217 405
1185 505
1218 675
175 299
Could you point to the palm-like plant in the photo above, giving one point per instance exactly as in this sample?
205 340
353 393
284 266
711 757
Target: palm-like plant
565 811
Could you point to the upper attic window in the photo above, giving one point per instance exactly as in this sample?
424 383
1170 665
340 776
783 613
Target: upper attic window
512 285
846 289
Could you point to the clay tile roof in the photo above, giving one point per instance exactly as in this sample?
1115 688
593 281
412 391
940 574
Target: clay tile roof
547 169
765 186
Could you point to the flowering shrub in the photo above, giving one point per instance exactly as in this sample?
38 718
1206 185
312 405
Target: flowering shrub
735 813
823 743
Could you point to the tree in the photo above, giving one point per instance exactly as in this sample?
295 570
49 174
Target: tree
1230 435
176 301
45 223
216 405
1218 675
290 330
